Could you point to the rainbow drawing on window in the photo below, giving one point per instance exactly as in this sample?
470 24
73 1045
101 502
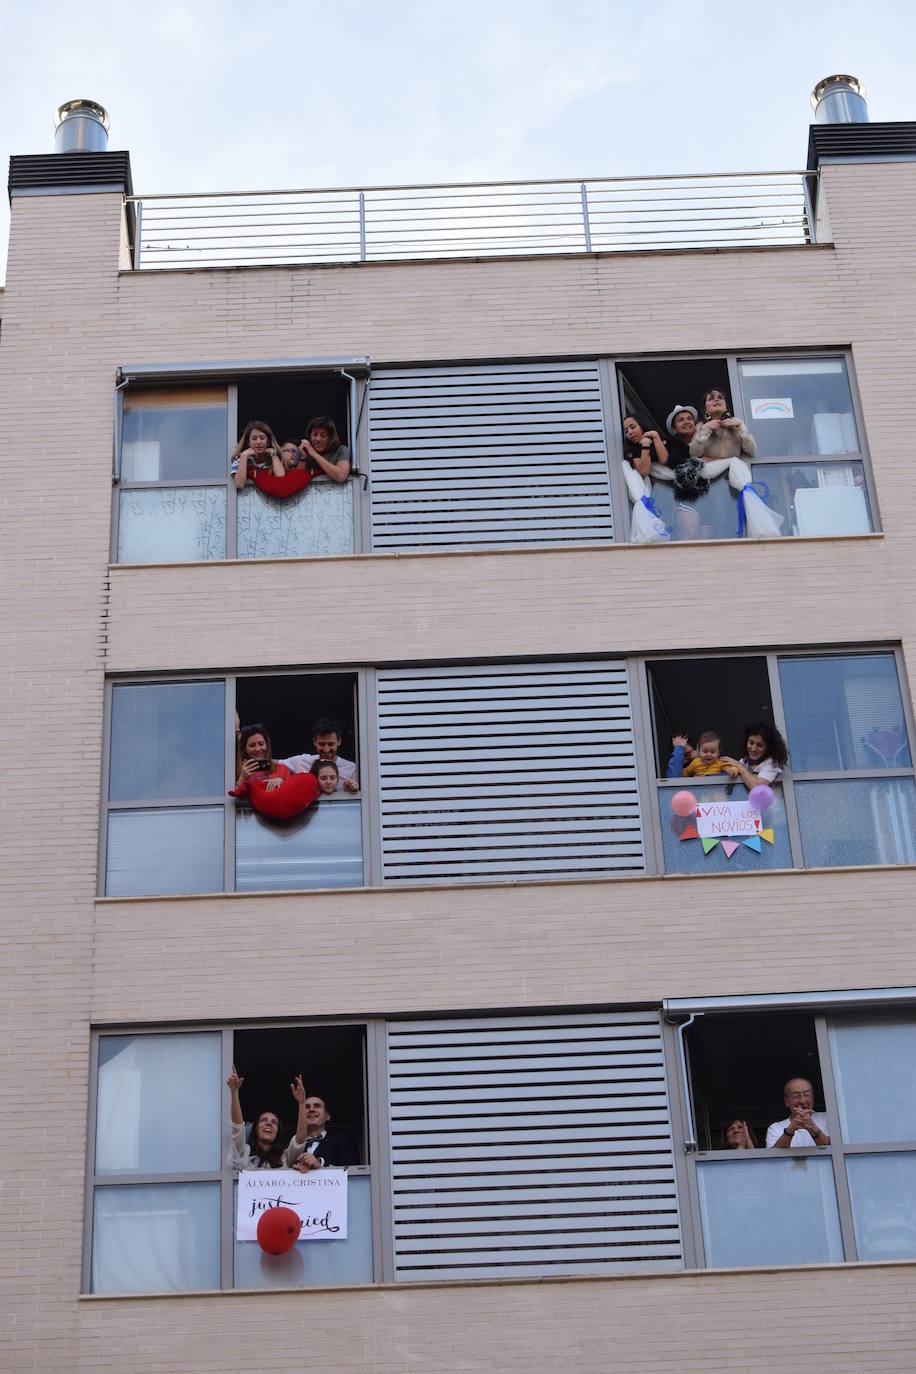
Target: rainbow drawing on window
773 408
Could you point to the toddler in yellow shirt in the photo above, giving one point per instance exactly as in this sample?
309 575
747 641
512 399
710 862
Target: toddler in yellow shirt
707 759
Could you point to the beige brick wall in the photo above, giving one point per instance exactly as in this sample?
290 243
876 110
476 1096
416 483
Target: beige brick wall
848 1321
525 945
69 319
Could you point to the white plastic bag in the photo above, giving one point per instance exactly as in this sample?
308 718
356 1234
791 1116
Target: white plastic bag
646 527
762 523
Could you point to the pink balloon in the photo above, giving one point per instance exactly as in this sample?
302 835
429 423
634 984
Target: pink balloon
761 797
683 803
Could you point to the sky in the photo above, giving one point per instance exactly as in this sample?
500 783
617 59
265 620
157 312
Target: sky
246 96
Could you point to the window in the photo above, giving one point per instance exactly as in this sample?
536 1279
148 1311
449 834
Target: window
172 492
447 1179
854 782
161 1182
171 826
848 1199
802 408
809 465
175 502
848 794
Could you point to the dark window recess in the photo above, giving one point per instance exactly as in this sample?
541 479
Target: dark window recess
652 390
739 1066
287 403
690 695
331 1061
288 707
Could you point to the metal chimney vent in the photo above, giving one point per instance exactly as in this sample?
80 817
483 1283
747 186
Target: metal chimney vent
81 126
839 100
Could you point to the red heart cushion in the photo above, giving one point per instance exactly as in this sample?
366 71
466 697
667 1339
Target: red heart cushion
287 485
289 799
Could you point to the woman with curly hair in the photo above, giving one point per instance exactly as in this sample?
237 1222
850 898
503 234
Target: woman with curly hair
765 754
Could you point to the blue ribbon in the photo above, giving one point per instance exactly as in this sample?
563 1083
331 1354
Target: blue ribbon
653 508
762 491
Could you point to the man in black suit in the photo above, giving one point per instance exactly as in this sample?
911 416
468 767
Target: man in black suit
313 1146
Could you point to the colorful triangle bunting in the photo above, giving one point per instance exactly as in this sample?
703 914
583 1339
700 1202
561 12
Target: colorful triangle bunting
711 844
729 846
689 834
753 842
766 835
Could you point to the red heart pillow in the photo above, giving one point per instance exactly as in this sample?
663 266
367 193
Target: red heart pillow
293 795
285 486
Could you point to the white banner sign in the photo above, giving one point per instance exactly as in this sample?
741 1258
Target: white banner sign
319 1198
718 820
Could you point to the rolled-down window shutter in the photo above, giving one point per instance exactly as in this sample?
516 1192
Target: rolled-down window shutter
531 1146
521 771
488 456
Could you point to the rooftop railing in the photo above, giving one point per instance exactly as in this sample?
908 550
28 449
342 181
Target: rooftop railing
486 219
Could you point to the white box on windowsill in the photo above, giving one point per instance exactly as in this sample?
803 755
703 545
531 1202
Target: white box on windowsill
831 510
833 432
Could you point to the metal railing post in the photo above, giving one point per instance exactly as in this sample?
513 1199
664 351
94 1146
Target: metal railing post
588 232
139 205
810 227
362 226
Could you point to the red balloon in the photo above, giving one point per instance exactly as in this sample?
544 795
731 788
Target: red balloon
278 1230
683 803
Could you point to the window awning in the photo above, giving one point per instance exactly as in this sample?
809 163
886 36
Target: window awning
161 372
845 999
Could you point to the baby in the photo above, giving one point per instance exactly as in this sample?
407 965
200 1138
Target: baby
707 759
328 776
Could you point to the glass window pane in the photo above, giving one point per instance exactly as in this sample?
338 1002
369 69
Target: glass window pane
320 848
714 515
159 1238
817 498
171 524
317 523
799 405
167 740
174 434
874 1068
844 713
882 1189
857 821
687 856
759 1212
158 1104
314 1263
165 853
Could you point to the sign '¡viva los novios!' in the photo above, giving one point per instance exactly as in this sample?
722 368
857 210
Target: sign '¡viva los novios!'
720 820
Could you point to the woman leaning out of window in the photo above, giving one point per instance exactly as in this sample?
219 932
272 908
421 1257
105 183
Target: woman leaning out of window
254 759
765 754
256 451
265 1147
322 451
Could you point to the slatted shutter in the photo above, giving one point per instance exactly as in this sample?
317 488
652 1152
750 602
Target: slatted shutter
525 771
531 1146
488 456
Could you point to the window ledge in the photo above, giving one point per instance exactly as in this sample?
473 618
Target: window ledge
365 889
670 1275
501 551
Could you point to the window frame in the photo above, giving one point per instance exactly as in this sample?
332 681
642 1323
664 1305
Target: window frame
789 777
374 1099
366 760
732 359
154 377
838 1150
